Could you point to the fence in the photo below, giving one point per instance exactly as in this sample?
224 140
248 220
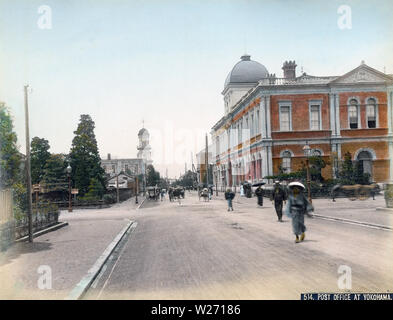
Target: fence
7 222
43 216
5 205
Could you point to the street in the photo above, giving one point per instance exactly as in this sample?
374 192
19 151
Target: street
199 250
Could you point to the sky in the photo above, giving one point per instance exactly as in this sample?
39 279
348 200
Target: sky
162 64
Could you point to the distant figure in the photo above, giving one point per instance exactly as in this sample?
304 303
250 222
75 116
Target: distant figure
374 190
248 190
334 190
297 207
259 193
278 197
162 194
229 196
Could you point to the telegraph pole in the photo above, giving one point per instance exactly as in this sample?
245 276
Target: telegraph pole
136 189
117 188
28 173
207 161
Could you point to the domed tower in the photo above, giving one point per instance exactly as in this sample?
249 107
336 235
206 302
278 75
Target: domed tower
144 149
243 76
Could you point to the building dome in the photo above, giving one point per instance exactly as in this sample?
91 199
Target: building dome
246 71
142 132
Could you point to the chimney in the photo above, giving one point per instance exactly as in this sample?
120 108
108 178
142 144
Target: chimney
289 68
109 156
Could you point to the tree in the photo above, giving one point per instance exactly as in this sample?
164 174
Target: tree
38 159
352 172
163 183
84 156
55 170
347 172
54 179
188 179
96 190
152 176
316 165
10 158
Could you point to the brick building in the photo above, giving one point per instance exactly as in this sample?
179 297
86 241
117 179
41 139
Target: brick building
268 120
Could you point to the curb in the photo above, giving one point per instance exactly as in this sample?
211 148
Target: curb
390 210
85 283
41 232
143 201
360 223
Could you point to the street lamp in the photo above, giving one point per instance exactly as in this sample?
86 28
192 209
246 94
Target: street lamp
307 154
69 170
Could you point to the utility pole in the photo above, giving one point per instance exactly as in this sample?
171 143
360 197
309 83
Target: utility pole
136 189
117 188
28 172
207 161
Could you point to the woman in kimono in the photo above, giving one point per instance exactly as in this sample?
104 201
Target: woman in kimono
297 207
229 195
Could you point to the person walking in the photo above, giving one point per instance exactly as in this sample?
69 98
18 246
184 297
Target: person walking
278 196
229 196
259 193
297 207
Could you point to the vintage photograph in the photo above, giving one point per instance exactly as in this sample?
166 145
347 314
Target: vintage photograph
195 150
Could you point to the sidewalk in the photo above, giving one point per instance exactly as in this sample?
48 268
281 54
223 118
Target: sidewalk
359 210
69 252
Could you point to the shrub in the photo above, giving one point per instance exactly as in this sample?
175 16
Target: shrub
388 194
109 198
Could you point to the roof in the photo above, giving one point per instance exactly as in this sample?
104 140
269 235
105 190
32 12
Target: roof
246 71
142 131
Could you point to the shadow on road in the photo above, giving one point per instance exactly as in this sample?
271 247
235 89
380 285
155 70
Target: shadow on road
150 203
22 248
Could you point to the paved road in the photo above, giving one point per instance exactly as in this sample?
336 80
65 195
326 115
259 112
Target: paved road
198 250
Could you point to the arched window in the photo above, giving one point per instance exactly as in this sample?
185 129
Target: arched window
371 113
365 159
353 114
286 161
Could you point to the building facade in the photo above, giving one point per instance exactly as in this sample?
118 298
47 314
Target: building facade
131 166
113 167
268 120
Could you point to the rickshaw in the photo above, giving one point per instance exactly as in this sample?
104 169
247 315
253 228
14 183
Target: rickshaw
356 191
204 193
153 193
